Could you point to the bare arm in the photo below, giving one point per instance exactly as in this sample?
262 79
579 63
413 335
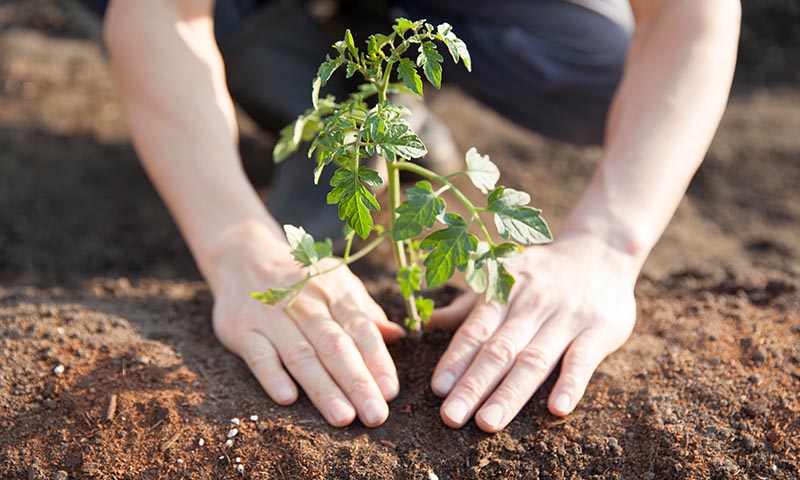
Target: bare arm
181 117
575 297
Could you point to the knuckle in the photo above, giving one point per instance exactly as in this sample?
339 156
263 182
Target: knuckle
259 358
501 350
362 331
475 332
534 358
470 391
578 360
359 387
332 343
300 354
508 395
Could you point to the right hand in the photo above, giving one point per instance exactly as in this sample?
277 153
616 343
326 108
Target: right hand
330 340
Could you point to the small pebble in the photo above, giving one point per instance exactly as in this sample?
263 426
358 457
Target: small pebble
60 331
235 421
238 459
240 468
201 442
59 369
233 432
432 476
253 418
649 476
229 443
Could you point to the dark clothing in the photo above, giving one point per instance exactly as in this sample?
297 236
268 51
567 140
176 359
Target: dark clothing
549 65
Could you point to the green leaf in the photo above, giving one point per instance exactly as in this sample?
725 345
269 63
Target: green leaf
480 169
418 212
304 249
450 248
398 140
424 308
499 283
327 68
431 63
456 46
514 218
272 296
410 280
351 44
407 72
354 199
402 25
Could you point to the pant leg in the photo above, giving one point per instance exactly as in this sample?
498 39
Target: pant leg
549 65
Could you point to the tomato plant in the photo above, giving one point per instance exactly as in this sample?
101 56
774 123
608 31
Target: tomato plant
429 243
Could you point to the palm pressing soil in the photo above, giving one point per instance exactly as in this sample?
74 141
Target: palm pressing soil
94 277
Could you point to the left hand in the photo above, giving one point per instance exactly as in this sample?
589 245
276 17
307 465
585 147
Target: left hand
573 299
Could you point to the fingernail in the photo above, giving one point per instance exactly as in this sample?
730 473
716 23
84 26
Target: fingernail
284 393
443 383
562 403
340 412
374 412
456 410
492 415
389 386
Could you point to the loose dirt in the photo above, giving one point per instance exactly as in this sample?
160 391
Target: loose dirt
95 277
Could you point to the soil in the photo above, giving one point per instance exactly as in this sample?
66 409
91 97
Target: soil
95 277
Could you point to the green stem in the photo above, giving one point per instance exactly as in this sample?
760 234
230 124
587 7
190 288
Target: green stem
431 175
398 246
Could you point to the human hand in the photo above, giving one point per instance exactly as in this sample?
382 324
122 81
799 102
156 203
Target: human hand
328 340
573 298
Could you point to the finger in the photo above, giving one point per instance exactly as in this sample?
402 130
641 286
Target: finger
577 367
263 361
367 337
534 363
451 316
474 332
493 361
390 330
300 359
338 353
358 301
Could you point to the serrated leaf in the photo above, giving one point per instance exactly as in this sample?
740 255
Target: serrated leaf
450 248
457 48
482 171
410 280
272 296
327 68
418 212
399 141
515 219
424 308
431 62
354 199
402 25
407 72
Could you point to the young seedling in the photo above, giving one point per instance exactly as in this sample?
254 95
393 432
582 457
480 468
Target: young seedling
345 133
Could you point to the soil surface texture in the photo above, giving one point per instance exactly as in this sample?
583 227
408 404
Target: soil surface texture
109 367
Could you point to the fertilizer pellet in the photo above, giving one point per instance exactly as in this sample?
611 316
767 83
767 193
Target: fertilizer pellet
235 421
233 432
432 476
59 369
229 443
253 418
238 460
201 442
240 468
180 460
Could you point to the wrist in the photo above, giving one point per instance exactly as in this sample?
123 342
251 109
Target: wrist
239 247
616 252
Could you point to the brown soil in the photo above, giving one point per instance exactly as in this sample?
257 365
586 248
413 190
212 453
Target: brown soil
94 276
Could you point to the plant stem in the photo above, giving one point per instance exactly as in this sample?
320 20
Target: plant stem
398 246
431 175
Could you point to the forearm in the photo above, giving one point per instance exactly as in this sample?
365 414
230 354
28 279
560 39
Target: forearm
664 116
182 121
